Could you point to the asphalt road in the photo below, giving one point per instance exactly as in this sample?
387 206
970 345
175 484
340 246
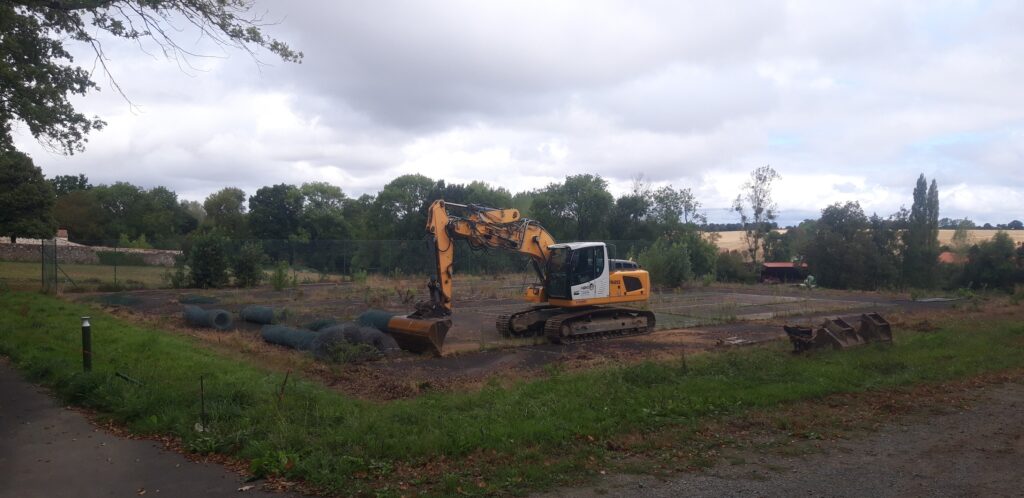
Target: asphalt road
49 451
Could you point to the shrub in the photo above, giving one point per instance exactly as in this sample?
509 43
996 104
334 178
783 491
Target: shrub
359 276
176 279
992 264
668 262
138 243
279 278
247 265
731 267
208 260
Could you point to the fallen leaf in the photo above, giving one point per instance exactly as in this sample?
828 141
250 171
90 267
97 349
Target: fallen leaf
246 488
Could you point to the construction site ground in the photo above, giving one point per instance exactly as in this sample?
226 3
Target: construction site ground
689 321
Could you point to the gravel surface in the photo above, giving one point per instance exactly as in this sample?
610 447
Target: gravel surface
978 451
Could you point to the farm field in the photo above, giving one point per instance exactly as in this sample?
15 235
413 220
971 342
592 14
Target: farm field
734 240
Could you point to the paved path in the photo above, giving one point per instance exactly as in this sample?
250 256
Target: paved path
49 451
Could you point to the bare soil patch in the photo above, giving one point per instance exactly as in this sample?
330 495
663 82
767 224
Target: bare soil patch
690 321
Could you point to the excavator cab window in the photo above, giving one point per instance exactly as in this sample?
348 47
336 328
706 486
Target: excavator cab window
588 264
559 264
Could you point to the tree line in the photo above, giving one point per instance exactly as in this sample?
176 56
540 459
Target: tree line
317 225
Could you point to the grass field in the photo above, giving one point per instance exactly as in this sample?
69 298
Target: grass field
503 438
80 277
22 275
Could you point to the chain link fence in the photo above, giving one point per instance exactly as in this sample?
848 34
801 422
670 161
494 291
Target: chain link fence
58 266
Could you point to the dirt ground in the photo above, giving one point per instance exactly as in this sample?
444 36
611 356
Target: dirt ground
689 321
972 450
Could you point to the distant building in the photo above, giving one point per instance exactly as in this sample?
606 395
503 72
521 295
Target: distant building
951 258
782 272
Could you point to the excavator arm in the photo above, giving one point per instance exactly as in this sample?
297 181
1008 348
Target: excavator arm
481 227
426 328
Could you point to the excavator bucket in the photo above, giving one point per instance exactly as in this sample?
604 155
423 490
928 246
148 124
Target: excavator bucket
874 328
419 335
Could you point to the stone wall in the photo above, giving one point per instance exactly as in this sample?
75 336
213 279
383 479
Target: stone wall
76 254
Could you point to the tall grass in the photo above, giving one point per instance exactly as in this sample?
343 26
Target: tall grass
347 446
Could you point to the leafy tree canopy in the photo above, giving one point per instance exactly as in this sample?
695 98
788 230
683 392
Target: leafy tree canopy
38 73
65 184
275 212
26 199
578 209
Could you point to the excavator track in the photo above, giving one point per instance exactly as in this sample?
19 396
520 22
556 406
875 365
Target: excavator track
598 323
534 322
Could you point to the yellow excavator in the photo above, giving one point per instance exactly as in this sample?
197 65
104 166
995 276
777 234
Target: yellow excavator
576 296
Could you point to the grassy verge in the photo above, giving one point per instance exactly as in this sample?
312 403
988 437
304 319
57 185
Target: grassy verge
500 439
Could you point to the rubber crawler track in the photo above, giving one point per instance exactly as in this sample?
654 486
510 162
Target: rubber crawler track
553 327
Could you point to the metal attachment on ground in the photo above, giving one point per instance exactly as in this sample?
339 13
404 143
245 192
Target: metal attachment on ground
874 328
842 334
838 334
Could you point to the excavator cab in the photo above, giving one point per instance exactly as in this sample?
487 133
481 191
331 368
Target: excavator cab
577 271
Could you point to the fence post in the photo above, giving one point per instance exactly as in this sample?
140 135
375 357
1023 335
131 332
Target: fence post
86 344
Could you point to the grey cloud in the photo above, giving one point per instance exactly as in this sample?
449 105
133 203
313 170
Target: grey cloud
690 93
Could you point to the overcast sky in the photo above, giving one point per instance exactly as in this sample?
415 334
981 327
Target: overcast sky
846 100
